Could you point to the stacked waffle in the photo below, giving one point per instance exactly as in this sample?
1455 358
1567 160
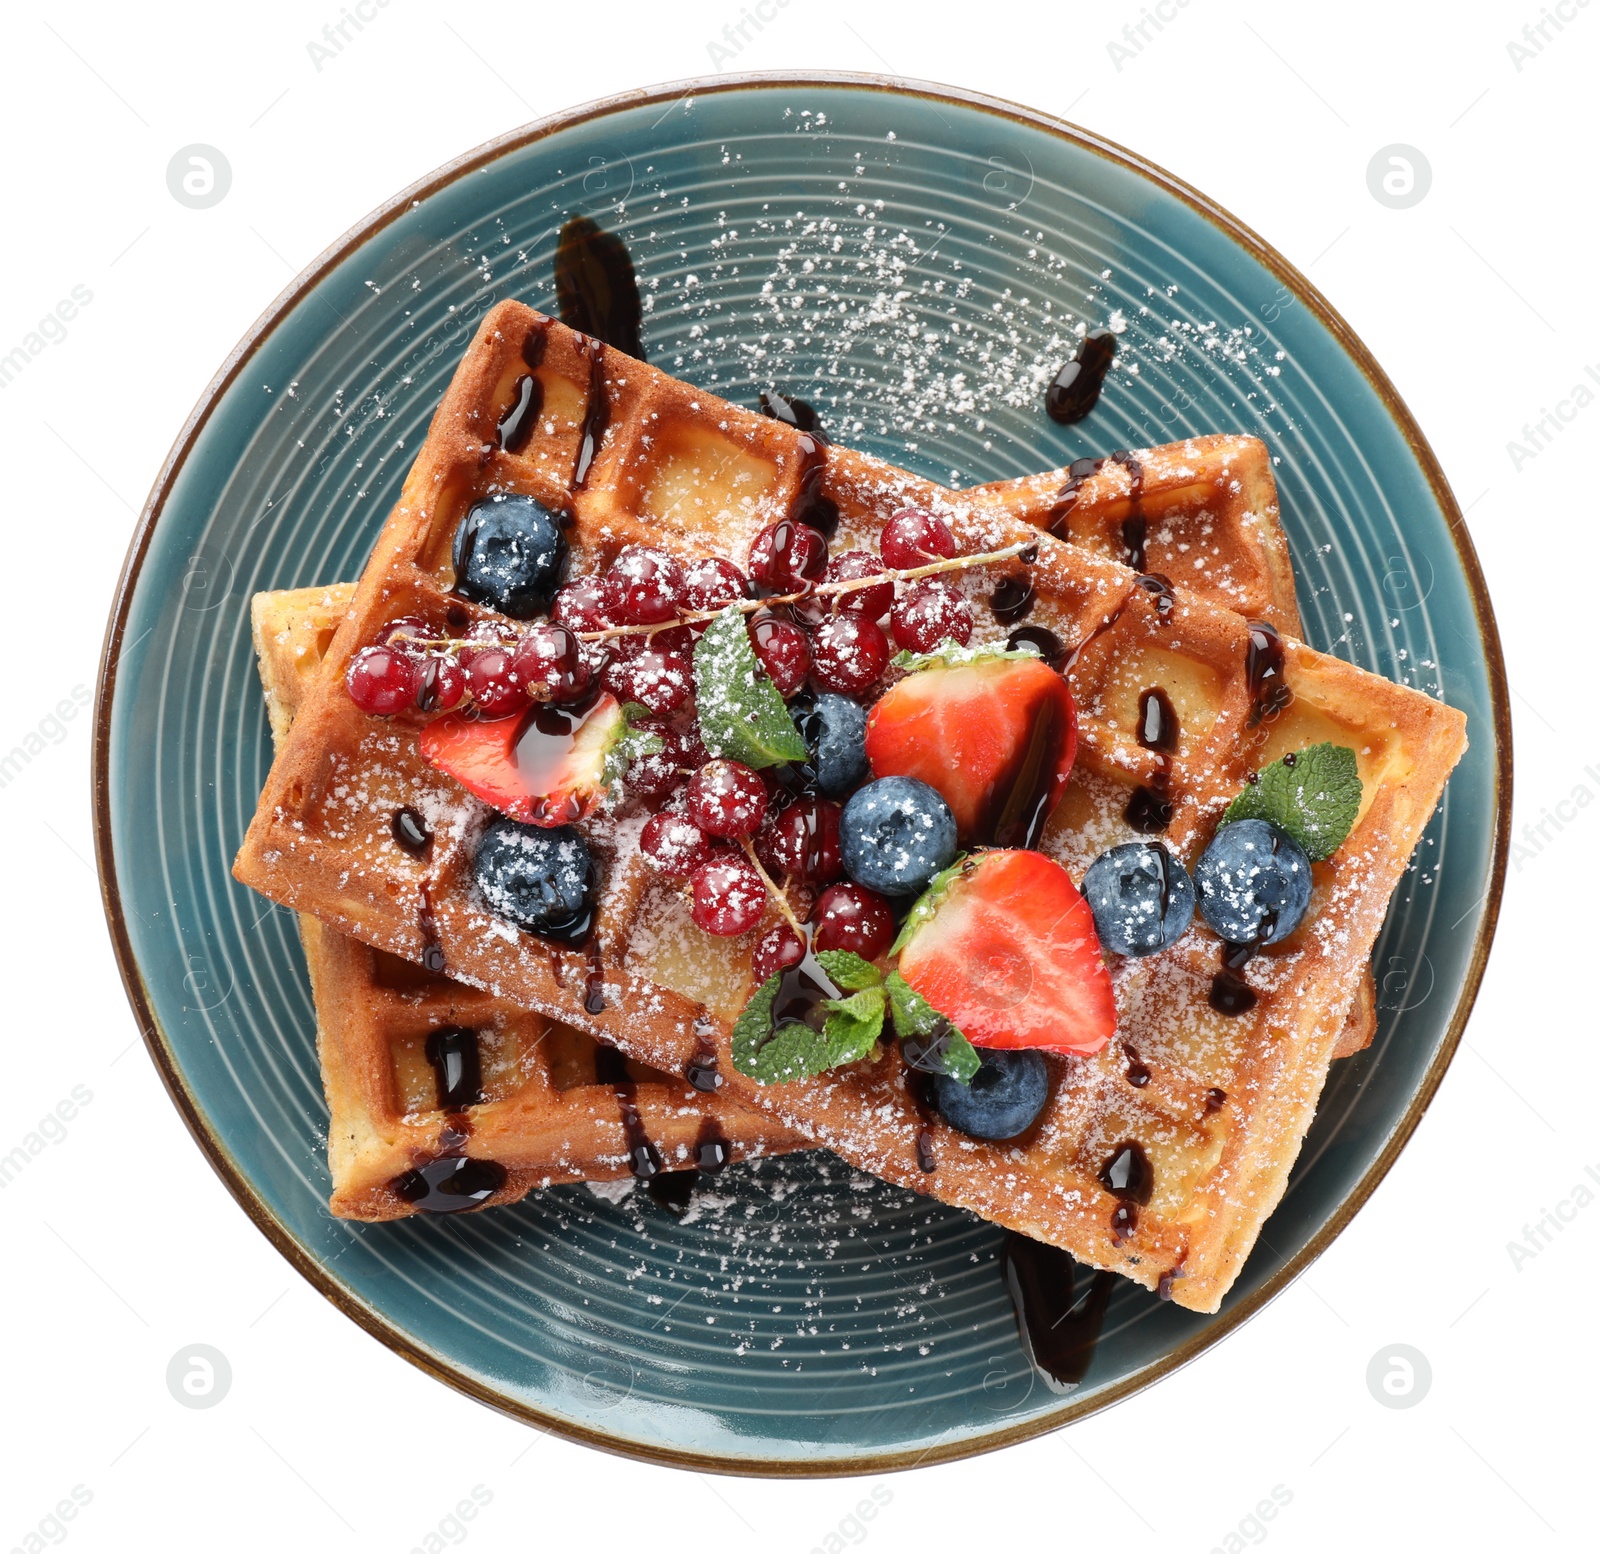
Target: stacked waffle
1216 1102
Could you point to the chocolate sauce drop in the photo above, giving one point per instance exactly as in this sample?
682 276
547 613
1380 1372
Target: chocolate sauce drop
597 292
1263 668
611 1068
1012 599
1167 1280
1216 1099
452 1051
516 426
712 1151
926 1159
1150 808
410 831
1078 471
1137 1072
432 951
1059 1329
1230 993
1042 640
1127 1174
1018 805
1134 527
672 1189
596 410
1076 388
701 1070
450 1184
808 505
802 991
1165 599
791 411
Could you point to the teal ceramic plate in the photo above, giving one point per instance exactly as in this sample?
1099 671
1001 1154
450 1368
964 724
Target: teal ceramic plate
912 260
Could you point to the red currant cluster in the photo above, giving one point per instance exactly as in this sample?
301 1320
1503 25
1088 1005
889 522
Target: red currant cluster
736 834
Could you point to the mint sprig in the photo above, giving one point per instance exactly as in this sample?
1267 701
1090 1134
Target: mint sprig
742 716
1314 795
940 1047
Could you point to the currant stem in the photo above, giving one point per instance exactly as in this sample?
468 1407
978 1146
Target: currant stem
772 890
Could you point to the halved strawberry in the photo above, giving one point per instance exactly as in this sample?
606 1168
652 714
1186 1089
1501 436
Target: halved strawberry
547 766
994 733
1004 947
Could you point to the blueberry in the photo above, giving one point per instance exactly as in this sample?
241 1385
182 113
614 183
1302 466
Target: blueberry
896 833
1254 883
510 554
1141 896
835 731
1005 1095
539 877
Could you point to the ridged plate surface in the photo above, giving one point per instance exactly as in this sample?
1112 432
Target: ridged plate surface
915 266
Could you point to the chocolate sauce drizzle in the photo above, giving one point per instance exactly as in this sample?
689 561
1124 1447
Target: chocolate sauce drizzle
596 410
809 505
1230 993
701 1070
597 292
1133 525
1149 809
410 831
432 951
1042 640
1059 1329
1075 390
1263 668
1012 599
712 1152
452 1051
611 1068
791 411
450 1182
1128 1176
1018 805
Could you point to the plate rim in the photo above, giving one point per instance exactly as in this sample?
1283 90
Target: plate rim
217 1152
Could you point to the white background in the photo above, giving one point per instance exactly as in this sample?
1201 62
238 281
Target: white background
122 1247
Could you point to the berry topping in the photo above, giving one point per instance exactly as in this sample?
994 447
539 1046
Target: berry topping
913 538
726 799
930 614
1253 883
382 680
994 734
675 845
779 948
441 683
510 554
404 633
729 897
581 606
871 602
1004 947
1141 896
1005 1096
851 917
710 583
835 731
539 878
896 834
786 555
660 682
801 842
547 767
848 653
496 687
783 651
549 663
644 587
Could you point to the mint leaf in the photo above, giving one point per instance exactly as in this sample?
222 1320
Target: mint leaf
930 1041
948 656
927 904
848 970
853 1025
1313 795
629 744
742 716
773 1057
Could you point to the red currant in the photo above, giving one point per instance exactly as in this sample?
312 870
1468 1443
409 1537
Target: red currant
660 682
382 680
848 653
871 602
710 583
851 917
643 587
581 606
928 614
801 842
549 660
495 684
402 634
913 538
783 650
727 799
779 948
786 555
729 897
441 683
675 845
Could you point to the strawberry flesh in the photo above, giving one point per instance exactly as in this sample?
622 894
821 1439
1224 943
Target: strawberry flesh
1009 955
545 767
995 737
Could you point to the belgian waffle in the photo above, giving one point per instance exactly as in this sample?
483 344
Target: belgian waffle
1217 1104
553 1104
